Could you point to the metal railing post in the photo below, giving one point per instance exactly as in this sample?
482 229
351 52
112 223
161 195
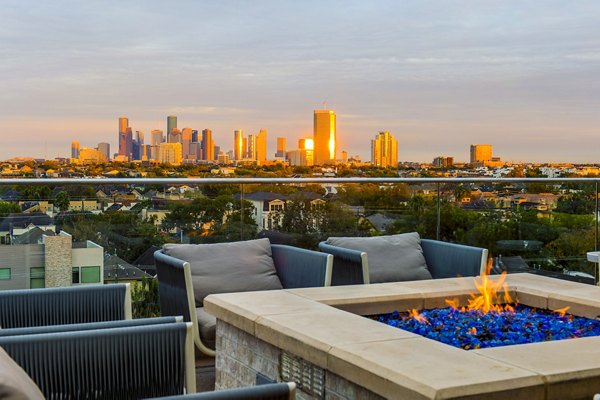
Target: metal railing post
438 227
242 211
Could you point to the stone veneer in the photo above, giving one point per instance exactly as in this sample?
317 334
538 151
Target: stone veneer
366 359
58 263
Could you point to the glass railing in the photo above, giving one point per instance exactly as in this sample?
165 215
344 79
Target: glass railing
538 225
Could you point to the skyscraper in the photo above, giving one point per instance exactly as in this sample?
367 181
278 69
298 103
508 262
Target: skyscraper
281 143
260 145
481 153
171 124
239 148
208 146
384 150
156 138
324 136
186 139
104 148
74 149
125 138
170 153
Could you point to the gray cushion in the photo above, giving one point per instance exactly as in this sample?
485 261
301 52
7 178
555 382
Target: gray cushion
391 258
207 325
15 384
228 267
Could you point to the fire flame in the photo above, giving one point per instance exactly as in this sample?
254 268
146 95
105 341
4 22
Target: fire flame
418 317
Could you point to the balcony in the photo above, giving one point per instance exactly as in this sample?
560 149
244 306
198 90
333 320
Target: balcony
540 226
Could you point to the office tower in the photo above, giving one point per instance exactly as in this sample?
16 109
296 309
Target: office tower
74 149
480 153
125 138
195 137
239 150
171 124
208 146
186 139
195 153
135 151
251 151
324 136
344 156
217 151
139 137
104 148
260 146
384 150
156 138
145 152
304 156
175 136
281 142
170 153
87 155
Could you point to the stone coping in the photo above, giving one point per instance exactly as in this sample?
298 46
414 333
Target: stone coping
325 327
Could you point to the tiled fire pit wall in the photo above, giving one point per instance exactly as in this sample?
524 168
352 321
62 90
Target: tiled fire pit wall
318 338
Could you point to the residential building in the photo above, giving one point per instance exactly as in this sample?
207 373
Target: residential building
443 161
480 153
324 135
51 260
384 150
87 155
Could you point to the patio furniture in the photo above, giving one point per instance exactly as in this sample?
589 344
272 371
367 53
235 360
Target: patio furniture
402 257
64 305
271 391
189 273
112 363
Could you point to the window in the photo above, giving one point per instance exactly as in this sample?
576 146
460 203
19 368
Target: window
75 279
90 274
37 278
5 274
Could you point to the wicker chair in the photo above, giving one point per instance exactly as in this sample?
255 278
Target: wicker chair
111 360
64 305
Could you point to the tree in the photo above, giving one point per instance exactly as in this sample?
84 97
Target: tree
7 208
62 201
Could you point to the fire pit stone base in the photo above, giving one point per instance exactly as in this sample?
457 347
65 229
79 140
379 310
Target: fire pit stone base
315 326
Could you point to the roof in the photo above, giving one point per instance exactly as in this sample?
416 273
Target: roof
115 269
22 220
32 236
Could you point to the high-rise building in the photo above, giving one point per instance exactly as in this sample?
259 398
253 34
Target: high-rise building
251 150
208 146
281 142
481 153
104 148
87 155
260 146
171 124
175 136
139 137
156 138
170 153
195 137
304 156
125 138
443 161
324 132
186 139
384 150
239 148
75 149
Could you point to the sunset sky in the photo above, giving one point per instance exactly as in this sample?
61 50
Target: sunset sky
439 75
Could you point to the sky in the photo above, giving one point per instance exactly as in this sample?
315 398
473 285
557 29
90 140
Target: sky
522 75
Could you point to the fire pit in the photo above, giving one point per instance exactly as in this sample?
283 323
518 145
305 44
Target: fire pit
491 320
322 335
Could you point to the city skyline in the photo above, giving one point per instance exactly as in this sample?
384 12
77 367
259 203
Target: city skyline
516 74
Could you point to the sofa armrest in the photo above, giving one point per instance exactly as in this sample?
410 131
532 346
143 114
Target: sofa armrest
449 260
135 362
350 267
64 305
300 268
